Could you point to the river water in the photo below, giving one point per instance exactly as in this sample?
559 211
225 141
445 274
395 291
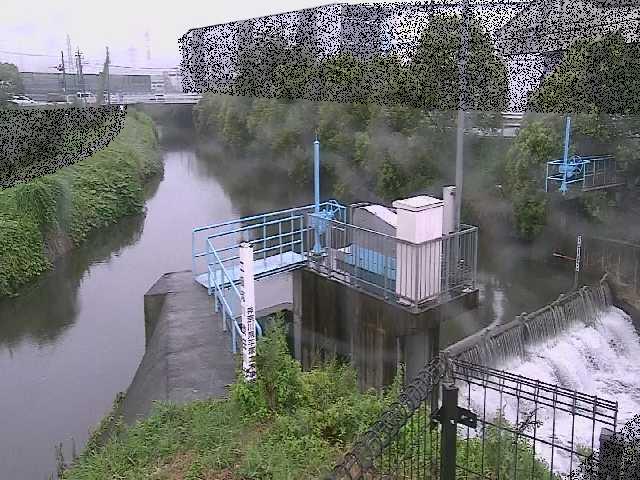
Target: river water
74 338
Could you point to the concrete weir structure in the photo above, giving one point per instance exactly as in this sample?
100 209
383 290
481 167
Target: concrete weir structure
367 283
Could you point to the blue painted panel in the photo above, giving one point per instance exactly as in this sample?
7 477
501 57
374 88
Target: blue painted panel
372 261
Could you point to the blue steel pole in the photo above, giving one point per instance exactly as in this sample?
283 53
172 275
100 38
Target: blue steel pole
316 186
567 137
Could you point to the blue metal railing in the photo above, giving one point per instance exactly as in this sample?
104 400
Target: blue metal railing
279 241
228 315
587 172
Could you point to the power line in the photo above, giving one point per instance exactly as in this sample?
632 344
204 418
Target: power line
87 62
28 54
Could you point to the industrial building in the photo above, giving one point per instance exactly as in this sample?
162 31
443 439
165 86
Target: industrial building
40 85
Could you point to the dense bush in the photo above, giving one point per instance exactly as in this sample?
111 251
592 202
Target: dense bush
72 202
289 424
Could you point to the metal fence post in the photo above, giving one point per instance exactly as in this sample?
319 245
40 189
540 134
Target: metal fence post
448 418
610 457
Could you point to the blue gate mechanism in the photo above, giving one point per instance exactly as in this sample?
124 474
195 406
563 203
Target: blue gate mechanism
582 173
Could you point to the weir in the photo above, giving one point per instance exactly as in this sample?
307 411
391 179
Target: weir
498 343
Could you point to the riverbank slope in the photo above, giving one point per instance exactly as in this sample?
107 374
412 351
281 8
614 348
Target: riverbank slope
45 218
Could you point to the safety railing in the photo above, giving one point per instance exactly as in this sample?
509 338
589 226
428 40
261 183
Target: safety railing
396 270
585 172
279 244
226 298
266 231
459 420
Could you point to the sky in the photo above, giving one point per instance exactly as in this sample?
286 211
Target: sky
40 27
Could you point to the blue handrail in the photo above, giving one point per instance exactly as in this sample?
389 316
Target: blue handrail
286 245
219 287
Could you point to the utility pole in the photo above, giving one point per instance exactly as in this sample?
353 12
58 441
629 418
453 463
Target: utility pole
106 72
80 75
463 105
61 68
69 54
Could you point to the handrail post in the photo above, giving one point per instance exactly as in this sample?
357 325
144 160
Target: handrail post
448 420
264 239
193 254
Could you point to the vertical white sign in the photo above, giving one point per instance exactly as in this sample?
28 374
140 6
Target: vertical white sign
247 299
578 252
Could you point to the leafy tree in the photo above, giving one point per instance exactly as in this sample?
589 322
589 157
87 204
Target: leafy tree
535 145
434 68
391 179
596 76
10 82
258 64
343 78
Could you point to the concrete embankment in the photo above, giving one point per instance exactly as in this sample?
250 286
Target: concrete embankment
626 300
188 355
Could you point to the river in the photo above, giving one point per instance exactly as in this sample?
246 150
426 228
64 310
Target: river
74 338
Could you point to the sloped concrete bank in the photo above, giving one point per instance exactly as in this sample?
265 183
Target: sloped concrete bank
187 355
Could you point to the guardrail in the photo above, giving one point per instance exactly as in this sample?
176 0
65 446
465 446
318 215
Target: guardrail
406 273
587 172
279 245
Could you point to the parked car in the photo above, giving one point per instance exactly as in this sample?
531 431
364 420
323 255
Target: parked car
84 98
22 100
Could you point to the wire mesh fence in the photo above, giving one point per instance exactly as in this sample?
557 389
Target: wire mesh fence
459 420
621 260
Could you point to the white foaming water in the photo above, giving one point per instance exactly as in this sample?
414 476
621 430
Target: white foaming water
603 361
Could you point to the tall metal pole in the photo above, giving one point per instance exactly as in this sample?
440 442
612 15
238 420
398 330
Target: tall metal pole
106 63
64 73
463 105
316 174
567 139
316 190
80 76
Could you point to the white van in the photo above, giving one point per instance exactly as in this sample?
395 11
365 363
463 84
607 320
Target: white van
86 98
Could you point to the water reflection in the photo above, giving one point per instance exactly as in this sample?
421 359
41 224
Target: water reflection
74 338
49 306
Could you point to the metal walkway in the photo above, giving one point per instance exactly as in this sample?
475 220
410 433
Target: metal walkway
263 268
280 244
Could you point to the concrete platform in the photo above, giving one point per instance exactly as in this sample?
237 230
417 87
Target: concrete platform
188 355
262 268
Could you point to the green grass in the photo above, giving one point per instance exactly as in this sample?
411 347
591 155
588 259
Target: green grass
289 424
74 201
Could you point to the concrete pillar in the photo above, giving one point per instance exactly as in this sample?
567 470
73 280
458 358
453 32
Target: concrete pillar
449 211
420 219
297 314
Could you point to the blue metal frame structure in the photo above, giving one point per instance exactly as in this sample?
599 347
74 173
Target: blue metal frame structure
584 172
587 173
279 241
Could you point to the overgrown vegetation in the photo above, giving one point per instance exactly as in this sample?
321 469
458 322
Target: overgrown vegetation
269 67
289 424
39 217
382 142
